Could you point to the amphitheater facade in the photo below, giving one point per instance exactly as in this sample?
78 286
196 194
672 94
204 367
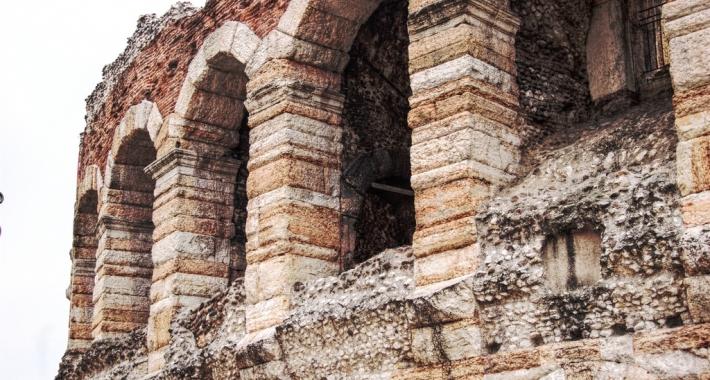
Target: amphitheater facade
393 189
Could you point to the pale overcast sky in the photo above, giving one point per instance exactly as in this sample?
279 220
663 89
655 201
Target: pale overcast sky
51 56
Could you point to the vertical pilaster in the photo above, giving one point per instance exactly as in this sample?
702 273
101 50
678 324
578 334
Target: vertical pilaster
193 228
464 113
686 25
293 186
195 178
83 255
123 265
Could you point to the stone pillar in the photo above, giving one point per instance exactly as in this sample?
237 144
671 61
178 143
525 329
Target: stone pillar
83 255
123 265
293 186
195 180
464 114
686 25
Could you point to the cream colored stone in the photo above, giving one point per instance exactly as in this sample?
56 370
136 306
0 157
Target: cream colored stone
693 126
445 265
265 314
314 25
693 22
693 165
464 145
698 289
279 45
460 170
465 66
690 63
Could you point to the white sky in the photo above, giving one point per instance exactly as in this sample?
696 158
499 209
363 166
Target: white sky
51 56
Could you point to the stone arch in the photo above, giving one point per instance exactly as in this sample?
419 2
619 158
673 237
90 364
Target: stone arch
295 108
200 180
83 256
123 264
382 175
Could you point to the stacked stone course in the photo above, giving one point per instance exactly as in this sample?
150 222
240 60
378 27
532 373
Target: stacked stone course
245 164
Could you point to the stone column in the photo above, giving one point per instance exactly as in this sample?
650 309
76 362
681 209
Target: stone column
83 255
123 265
195 180
464 114
686 25
463 117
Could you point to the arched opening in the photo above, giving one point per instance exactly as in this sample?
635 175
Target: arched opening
83 256
378 202
124 266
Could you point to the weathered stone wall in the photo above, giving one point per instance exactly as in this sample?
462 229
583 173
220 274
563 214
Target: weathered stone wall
552 64
155 63
584 256
618 178
376 89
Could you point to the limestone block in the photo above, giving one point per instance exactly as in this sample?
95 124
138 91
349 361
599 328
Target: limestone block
424 346
204 77
617 349
690 66
186 245
265 314
293 173
279 45
127 197
186 223
608 63
210 108
141 117
685 17
190 266
132 286
194 208
461 340
125 258
288 193
451 201
698 289
320 131
462 145
464 66
292 222
127 177
258 348
123 271
275 277
693 165
693 126
461 170
126 212
291 143
358 12
315 25
443 302
465 120
465 95
696 209
230 47
427 17
194 136
695 252
184 168
457 234
445 265
678 364
184 284
296 97
284 68
680 339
